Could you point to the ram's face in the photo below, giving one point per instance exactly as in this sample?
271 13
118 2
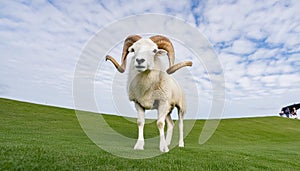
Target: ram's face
144 51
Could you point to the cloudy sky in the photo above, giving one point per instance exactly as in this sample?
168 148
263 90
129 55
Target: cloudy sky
256 42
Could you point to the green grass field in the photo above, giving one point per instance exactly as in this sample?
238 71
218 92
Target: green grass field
36 137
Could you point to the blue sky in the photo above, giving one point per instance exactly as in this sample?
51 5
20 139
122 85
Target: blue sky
257 44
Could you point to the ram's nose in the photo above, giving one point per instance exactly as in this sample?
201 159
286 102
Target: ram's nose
140 61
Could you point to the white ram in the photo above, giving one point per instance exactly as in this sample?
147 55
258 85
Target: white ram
151 88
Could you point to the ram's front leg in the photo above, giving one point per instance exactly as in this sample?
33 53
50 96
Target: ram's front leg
162 113
140 121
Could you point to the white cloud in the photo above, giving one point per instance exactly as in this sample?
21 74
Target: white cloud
289 81
263 53
256 69
242 46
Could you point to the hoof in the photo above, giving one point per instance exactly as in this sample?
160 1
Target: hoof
139 145
163 147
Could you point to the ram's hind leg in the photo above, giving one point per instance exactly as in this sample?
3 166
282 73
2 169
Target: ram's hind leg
180 119
141 122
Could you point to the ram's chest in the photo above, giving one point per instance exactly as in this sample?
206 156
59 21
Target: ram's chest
147 94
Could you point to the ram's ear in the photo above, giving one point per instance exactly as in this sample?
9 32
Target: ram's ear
161 52
131 48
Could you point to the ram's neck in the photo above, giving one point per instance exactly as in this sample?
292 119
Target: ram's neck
147 79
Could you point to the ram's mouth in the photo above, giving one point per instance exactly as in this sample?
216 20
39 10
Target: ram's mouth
140 67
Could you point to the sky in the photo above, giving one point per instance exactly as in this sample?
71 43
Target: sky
257 44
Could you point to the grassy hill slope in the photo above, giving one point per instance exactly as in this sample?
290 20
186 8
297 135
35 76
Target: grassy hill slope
36 137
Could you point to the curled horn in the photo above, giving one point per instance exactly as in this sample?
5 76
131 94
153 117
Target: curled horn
176 67
127 43
164 43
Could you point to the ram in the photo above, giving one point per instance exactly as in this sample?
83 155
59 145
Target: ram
150 87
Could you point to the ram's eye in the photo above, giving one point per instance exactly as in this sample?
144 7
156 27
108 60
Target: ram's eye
132 50
155 50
